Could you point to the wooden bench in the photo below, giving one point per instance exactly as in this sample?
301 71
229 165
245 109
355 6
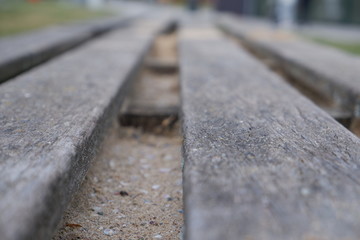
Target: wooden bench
330 72
51 122
260 160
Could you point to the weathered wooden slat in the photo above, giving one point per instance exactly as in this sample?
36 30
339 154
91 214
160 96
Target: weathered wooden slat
331 72
51 122
260 160
22 52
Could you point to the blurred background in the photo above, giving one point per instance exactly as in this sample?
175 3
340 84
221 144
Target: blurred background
331 22
335 11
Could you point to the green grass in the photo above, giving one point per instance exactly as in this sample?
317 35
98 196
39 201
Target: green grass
19 15
353 48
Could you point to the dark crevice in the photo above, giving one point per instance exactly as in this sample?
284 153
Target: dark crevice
153 101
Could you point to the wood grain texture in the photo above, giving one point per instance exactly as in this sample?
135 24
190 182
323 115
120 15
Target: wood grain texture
51 123
261 161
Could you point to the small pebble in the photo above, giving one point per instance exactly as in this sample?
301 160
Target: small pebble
155 187
97 209
158 236
143 191
146 201
109 232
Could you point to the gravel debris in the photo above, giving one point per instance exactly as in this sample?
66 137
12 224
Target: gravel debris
121 200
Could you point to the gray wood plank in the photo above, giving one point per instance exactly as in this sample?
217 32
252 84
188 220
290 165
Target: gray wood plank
51 122
260 160
21 52
330 71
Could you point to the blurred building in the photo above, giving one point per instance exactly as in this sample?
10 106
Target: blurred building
339 11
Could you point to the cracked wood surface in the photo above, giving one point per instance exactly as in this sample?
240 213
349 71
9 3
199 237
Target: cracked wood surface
261 161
